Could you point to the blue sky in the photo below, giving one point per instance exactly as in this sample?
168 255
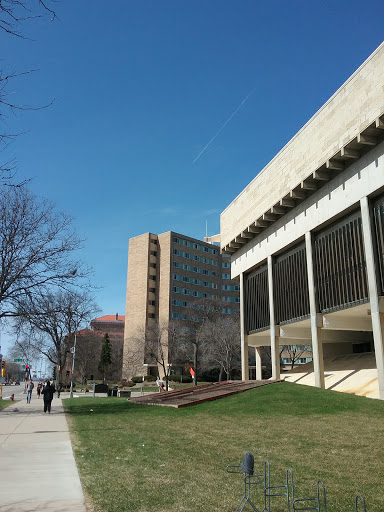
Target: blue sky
141 86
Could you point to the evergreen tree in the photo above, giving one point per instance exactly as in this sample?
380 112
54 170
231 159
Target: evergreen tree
105 356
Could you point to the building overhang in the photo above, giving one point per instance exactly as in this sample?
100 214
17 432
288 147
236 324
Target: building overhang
349 325
316 178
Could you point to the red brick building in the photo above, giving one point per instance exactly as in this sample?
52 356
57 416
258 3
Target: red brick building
88 348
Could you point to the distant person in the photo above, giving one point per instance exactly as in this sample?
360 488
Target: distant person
48 392
58 389
38 389
30 387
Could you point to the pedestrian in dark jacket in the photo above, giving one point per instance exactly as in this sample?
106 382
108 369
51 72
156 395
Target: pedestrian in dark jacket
47 393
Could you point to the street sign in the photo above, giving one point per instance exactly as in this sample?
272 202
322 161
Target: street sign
18 360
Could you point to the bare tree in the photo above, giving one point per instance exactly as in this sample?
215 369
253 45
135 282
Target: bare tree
88 349
295 352
36 245
52 319
133 354
8 168
115 370
204 310
222 344
14 13
156 347
13 370
24 349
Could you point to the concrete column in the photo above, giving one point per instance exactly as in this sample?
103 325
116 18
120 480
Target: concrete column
259 373
377 313
316 319
244 335
274 329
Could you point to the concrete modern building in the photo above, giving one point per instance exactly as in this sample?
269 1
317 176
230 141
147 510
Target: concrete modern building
169 275
306 236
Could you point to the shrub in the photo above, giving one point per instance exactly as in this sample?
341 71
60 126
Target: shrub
125 383
148 378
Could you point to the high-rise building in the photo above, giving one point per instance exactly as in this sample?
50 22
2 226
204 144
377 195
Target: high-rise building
171 277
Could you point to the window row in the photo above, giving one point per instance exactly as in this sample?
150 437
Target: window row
193 280
230 287
195 257
193 293
194 245
186 304
191 268
226 264
231 299
182 316
301 360
226 276
228 311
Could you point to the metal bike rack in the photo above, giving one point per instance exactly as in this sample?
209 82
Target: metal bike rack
316 504
246 468
309 503
274 491
362 500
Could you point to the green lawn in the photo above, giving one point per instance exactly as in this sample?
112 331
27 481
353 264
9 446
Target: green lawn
143 458
5 403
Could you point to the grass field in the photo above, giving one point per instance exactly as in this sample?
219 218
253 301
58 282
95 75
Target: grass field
5 403
143 458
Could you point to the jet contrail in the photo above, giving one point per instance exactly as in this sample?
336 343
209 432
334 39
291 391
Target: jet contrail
224 125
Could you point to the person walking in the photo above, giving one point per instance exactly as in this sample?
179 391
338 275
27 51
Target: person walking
38 390
48 392
30 387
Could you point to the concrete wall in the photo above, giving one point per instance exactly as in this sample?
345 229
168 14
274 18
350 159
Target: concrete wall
136 304
343 192
349 111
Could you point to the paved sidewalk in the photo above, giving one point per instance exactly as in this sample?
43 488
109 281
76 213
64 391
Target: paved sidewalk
37 468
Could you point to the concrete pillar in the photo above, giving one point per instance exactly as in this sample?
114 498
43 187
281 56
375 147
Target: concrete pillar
274 329
244 335
259 373
377 313
316 319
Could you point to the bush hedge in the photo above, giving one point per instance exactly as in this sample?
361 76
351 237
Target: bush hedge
147 378
124 383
